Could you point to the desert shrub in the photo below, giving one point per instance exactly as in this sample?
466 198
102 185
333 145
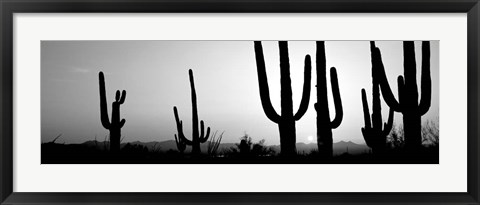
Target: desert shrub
214 144
134 149
430 133
259 149
395 139
247 148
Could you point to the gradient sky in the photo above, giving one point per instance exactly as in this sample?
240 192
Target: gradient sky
155 76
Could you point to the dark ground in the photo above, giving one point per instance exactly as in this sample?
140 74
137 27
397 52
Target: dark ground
55 153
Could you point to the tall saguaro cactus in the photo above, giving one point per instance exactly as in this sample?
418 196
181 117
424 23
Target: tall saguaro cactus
324 125
407 102
375 136
197 137
285 121
116 124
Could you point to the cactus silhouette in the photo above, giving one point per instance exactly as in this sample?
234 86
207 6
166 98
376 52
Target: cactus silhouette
324 125
116 124
408 103
375 136
285 121
197 137
181 144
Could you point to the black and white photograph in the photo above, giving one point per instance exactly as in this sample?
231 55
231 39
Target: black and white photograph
239 102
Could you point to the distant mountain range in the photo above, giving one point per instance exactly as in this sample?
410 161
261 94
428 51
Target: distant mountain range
338 147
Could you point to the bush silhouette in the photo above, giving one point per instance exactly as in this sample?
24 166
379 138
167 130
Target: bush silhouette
395 138
430 133
248 149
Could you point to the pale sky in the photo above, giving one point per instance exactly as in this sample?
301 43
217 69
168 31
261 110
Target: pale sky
155 76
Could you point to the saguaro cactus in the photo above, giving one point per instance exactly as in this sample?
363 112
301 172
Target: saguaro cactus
197 138
116 124
324 125
375 136
407 102
285 121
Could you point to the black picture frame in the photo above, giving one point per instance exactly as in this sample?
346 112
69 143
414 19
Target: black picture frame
10 7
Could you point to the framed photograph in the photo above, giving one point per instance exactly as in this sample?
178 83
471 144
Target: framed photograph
126 102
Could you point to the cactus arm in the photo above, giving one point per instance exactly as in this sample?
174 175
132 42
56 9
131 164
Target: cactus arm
181 145
387 127
122 98
336 99
176 141
184 139
366 132
410 70
181 136
207 135
263 84
202 129
203 138
103 102
117 96
426 86
365 135
178 121
379 70
306 89
401 89
122 123
366 111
